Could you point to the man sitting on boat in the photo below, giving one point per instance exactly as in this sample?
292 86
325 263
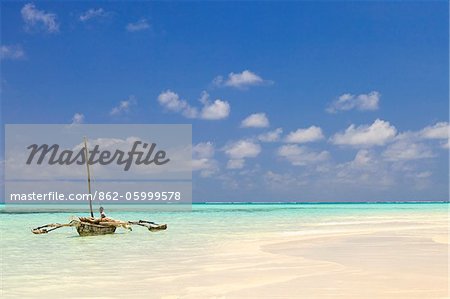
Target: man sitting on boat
102 218
102 212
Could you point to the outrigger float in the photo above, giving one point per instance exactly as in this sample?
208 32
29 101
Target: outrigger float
90 226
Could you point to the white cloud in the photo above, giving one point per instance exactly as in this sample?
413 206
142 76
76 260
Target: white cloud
378 133
240 80
271 136
361 102
364 162
310 134
236 164
424 174
39 18
12 52
376 172
203 159
93 13
206 167
78 118
300 155
439 131
203 150
361 169
239 151
124 106
363 157
140 25
218 109
365 170
285 182
406 147
407 151
243 149
256 120
280 181
171 101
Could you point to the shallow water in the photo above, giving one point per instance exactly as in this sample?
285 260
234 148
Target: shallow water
48 262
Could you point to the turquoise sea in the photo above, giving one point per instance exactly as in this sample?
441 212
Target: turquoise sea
62 258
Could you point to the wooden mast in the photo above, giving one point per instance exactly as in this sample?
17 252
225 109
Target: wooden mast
88 176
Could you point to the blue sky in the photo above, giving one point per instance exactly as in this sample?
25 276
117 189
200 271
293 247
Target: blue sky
354 94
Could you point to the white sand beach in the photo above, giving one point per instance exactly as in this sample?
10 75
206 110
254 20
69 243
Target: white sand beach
383 262
375 254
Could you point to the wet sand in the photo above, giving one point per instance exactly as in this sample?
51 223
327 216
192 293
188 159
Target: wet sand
355 255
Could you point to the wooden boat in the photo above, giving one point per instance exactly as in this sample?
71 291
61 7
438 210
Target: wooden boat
89 229
90 226
85 227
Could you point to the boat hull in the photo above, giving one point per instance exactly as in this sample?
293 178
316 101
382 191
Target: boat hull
88 229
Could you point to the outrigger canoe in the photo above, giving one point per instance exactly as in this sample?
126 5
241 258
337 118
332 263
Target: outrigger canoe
90 226
94 227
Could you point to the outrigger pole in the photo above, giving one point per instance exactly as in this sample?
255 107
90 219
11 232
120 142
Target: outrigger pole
88 176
